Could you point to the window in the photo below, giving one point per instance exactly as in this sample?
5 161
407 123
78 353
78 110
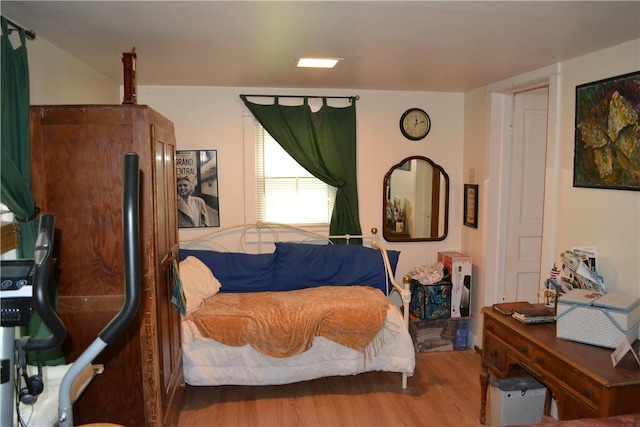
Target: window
286 192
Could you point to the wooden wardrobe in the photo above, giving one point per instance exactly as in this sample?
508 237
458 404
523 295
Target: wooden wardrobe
77 175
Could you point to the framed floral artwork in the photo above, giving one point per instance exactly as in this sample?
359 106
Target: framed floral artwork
607 134
197 187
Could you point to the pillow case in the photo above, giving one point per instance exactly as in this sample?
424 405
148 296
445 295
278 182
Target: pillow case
198 283
237 272
302 266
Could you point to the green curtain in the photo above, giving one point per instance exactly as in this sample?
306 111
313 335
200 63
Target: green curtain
15 175
16 154
324 143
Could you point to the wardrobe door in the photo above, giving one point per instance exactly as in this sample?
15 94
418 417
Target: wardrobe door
77 169
172 381
76 174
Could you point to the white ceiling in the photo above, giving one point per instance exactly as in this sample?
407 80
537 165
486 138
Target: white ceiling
450 46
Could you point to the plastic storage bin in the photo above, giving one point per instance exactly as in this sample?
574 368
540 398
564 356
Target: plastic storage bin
516 401
439 335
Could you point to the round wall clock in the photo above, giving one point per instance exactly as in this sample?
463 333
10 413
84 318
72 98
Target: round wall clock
415 124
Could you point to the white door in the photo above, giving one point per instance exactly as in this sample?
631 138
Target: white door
526 196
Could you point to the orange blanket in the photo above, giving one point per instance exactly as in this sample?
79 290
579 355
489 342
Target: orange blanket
282 324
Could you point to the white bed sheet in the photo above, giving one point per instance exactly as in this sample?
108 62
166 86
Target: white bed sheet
207 362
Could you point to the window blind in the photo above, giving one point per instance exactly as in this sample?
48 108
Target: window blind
285 191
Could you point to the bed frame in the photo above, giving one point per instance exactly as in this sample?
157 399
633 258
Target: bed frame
260 237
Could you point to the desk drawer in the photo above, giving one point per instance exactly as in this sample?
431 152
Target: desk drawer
576 381
570 407
520 348
494 354
496 328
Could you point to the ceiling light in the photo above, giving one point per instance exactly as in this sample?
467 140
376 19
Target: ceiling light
318 62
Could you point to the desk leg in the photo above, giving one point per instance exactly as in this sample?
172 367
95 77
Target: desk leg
484 385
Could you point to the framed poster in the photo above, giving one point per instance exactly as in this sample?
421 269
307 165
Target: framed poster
607 134
197 187
471 205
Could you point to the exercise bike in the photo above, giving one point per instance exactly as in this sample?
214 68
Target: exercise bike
25 285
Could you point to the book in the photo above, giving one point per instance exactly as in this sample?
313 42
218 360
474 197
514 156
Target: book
509 307
534 314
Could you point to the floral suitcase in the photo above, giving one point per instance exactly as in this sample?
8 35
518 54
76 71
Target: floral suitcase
431 302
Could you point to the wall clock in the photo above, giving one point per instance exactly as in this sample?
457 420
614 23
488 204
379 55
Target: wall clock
415 124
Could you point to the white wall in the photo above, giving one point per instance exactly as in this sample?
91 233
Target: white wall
476 171
607 219
212 118
55 77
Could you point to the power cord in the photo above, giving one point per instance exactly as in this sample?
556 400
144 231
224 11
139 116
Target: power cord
21 421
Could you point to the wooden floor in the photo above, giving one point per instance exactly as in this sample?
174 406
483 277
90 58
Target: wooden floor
445 391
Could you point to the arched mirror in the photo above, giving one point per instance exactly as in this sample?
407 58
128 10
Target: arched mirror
415 201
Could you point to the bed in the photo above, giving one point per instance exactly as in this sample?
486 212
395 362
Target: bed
629 420
286 305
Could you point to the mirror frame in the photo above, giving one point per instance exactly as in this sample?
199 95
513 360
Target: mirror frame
385 191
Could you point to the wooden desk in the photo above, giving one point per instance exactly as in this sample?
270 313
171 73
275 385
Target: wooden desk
580 377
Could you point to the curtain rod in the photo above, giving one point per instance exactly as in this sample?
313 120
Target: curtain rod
357 97
30 34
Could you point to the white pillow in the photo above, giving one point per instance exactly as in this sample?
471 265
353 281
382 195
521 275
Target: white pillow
198 282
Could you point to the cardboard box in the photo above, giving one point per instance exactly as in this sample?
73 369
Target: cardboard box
516 401
592 318
459 266
439 335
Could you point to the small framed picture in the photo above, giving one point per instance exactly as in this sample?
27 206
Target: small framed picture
471 205
197 186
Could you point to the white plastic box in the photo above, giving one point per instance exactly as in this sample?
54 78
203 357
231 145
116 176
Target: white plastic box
516 401
596 319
